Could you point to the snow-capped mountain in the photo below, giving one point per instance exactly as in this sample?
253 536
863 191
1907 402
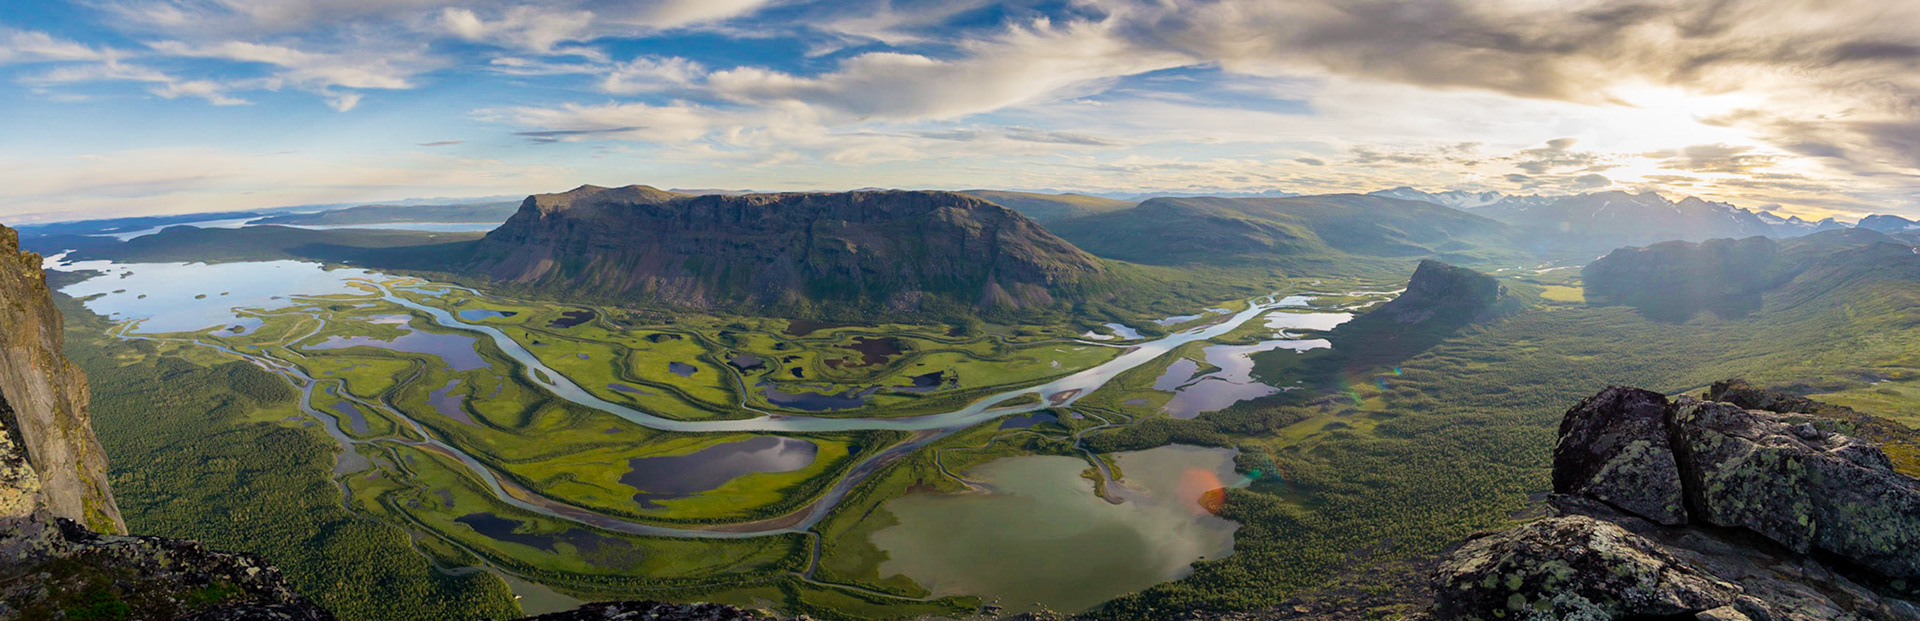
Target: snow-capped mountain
1794 226
1887 224
1457 199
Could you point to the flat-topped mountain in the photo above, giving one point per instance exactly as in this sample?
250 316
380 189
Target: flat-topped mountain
887 251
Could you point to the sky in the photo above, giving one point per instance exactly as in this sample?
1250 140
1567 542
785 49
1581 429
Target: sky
139 107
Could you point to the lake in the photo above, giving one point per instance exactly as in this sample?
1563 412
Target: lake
1042 537
189 297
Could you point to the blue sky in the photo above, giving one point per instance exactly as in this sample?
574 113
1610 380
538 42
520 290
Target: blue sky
124 107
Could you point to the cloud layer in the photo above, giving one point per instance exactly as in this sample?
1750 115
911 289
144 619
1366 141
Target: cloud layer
1810 107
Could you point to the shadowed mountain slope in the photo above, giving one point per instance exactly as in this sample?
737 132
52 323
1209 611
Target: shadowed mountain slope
892 251
1673 281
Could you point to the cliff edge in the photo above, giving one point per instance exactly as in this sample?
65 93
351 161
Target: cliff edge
43 398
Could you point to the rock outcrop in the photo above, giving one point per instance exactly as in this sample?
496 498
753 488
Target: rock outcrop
653 611
1574 567
1690 508
1445 292
799 253
43 402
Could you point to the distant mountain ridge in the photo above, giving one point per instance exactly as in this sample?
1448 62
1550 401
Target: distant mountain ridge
1051 208
495 211
1338 231
1674 281
891 251
1600 221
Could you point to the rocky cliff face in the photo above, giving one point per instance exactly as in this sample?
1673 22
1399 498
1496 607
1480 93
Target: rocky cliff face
43 399
1710 509
893 251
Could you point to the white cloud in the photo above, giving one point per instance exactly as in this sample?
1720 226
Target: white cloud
22 46
187 180
524 27
651 74
1027 64
162 83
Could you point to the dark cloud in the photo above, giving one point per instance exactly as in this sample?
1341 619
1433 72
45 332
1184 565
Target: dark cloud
1022 134
1556 156
1714 158
1311 161
557 135
442 143
1591 182
1028 134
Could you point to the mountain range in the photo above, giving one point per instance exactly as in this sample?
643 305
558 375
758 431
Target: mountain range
1600 221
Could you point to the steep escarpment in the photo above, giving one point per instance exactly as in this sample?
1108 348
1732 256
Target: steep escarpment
1691 508
43 397
800 253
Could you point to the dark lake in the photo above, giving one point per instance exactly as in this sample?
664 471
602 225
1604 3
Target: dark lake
817 402
572 318
679 476
872 350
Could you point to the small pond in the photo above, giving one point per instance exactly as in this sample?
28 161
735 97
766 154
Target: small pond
450 405
478 314
572 318
1234 382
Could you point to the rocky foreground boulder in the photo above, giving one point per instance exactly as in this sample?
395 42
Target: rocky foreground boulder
1692 508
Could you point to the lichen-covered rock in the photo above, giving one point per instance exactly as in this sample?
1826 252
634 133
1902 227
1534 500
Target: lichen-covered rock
1803 488
1614 448
653 611
121 577
1573 567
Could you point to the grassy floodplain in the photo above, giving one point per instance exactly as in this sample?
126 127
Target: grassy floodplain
394 383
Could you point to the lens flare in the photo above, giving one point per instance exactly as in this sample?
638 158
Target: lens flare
1209 494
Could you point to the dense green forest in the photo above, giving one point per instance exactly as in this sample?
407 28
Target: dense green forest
198 452
1378 466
